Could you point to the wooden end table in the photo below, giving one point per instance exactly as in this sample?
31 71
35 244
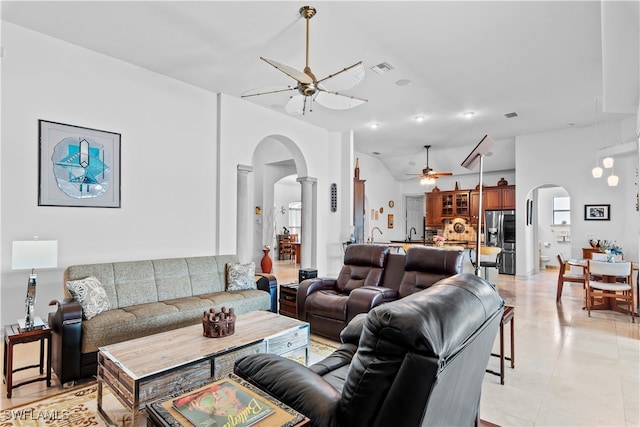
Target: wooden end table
14 335
288 297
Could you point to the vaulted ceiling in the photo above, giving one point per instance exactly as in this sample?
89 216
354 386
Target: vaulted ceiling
540 60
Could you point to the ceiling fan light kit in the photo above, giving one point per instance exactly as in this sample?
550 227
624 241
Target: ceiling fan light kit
428 176
310 88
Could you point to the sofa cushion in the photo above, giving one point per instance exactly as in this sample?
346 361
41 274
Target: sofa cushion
90 294
172 278
241 276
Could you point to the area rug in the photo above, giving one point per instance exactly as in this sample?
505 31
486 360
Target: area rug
78 407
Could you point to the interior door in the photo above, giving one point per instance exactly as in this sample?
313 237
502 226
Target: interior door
415 216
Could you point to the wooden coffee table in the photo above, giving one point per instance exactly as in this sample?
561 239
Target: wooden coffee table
143 370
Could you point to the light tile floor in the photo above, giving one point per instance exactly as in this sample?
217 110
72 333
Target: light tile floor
571 370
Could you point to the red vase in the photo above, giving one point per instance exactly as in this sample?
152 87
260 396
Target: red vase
266 264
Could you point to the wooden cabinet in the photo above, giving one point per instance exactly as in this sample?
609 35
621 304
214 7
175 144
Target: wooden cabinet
433 210
288 297
493 198
358 210
461 203
508 196
442 205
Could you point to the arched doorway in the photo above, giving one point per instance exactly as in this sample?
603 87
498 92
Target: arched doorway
274 158
548 228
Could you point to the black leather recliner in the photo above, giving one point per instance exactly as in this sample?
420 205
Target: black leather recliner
328 304
417 361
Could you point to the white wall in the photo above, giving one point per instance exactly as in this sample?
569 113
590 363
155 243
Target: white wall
380 187
565 158
317 153
168 161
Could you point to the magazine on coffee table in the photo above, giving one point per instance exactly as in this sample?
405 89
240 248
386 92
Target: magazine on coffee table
222 404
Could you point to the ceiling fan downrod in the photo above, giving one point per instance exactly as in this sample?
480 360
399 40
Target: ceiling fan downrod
308 12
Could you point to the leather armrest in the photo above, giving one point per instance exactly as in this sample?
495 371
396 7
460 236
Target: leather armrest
268 283
66 327
307 287
293 384
351 333
69 311
363 299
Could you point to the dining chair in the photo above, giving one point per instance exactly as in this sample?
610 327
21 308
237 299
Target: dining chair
608 289
567 276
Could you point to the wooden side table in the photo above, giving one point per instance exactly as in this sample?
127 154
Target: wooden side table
14 335
507 316
288 297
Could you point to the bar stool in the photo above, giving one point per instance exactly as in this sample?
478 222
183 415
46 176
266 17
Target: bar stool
507 317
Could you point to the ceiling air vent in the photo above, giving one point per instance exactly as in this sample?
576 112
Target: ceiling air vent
382 67
511 115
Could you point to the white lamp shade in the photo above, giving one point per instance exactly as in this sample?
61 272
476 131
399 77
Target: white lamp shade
31 254
596 172
607 162
612 180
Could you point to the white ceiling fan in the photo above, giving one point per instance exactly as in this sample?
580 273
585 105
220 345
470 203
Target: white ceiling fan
309 88
428 175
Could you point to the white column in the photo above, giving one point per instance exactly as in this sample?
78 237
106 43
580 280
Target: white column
306 221
242 214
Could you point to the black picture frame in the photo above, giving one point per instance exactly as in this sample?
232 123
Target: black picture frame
78 166
597 212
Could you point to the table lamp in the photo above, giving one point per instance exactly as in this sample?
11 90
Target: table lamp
32 254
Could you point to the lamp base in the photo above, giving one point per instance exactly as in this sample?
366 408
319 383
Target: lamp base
30 303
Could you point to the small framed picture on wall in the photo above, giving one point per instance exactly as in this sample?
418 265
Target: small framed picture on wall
597 212
390 221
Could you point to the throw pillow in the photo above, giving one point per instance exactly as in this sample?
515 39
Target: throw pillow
241 276
90 294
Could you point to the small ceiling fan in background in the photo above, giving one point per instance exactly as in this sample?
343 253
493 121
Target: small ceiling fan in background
428 176
309 88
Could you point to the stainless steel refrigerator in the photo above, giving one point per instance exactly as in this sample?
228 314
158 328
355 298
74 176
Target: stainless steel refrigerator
500 230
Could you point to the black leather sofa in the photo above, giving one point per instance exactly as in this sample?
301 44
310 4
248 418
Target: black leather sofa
417 361
369 277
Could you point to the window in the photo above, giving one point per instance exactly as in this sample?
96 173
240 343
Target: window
561 210
295 217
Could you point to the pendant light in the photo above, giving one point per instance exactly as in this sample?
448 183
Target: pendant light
596 172
612 180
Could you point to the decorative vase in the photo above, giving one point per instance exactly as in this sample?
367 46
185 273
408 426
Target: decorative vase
266 264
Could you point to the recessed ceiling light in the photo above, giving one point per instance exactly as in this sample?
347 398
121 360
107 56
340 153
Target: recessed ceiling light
468 114
570 125
511 115
420 118
374 125
375 153
403 82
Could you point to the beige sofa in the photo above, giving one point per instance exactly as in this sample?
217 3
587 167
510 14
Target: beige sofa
143 298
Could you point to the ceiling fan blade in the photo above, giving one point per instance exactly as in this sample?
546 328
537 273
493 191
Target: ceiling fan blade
439 174
266 91
289 71
337 101
345 78
296 105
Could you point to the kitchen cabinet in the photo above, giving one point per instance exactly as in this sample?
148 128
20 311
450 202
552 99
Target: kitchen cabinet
508 196
493 198
358 209
446 204
433 209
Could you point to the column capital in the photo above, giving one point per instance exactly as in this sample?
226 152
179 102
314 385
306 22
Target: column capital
302 179
245 168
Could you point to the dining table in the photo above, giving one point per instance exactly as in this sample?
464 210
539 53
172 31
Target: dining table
635 266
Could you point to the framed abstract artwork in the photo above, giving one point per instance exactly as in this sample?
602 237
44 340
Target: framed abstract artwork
597 212
78 166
